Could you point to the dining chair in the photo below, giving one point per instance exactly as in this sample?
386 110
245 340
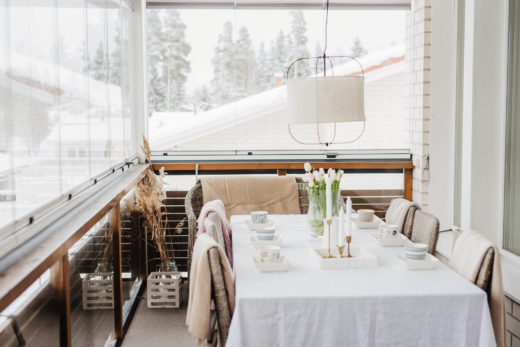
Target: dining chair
221 316
401 212
425 229
194 201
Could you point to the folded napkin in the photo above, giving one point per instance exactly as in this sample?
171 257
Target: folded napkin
466 258
199 300
243 194
217 207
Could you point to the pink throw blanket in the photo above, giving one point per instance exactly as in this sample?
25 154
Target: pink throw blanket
217 206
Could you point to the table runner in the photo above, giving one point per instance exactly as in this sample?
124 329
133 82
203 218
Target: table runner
382 306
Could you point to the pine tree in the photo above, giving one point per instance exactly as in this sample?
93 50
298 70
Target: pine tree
223 62
202 98
357 48
176 65
279 53
154 50
299 43
245 64
97 69
114 71
264 69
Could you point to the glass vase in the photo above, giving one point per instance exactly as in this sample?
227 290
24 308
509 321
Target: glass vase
318 209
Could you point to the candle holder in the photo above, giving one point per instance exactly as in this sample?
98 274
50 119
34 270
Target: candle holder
340 249
329 222
348 238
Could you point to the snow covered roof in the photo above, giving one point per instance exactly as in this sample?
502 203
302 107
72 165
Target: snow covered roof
168 129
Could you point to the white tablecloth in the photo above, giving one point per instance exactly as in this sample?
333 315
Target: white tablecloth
382 306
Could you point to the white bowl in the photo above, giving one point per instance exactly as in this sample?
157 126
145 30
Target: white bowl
365 215
266 234
415 251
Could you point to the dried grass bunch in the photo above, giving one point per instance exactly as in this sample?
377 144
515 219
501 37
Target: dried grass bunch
148 200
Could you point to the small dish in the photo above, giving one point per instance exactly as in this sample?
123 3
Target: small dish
367 225
254 227
272 265
390 241
427 263
276 241
265 234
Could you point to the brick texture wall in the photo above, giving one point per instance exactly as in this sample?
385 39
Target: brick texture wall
419 48
512 323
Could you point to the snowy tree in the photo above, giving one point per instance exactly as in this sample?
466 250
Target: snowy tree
202 98
222 85
114 63
176 65
318 52
264 69
168 64
299 43
279 53
244 64
154 50
97 68
357 49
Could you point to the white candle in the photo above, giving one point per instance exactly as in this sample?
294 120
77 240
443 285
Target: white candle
341 233
328 198
349 213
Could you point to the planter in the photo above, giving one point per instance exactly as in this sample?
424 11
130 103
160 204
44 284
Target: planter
97 291
163 289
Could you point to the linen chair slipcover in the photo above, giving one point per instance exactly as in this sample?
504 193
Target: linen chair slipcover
194 201
401 212
221 319
214 228
425 229
475 258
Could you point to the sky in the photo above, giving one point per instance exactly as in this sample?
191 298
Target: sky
377 29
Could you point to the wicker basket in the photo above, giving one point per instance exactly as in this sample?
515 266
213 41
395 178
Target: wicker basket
98 291
163 290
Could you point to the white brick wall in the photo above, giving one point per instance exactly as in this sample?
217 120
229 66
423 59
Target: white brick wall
419 32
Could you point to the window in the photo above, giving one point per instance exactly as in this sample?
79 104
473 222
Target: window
216 77
512 179
66 114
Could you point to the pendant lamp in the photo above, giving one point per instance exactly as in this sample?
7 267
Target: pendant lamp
326 99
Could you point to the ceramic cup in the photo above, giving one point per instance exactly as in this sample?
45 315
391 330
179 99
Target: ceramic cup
265 256
415 251
259 217
274 252
365 215
387 229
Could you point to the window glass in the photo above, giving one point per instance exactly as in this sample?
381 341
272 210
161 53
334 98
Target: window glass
216 77
65 109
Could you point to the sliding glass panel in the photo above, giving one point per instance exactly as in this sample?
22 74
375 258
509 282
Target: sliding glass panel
512 187
74 116
35 104
229 76
7 194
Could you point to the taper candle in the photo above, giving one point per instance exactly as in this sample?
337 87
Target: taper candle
328 198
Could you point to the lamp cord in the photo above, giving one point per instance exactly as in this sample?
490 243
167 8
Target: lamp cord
326 38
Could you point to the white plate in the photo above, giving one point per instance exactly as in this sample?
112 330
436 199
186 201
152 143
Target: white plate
276 241
278 265
394 241
367 225
425 264
361 258
252 226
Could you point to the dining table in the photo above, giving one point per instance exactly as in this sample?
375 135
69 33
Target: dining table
385 305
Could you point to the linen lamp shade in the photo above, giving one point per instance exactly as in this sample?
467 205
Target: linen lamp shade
326 99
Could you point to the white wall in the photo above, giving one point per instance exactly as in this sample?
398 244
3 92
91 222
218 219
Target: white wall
442 114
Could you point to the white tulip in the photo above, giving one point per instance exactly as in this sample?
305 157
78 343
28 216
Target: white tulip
308 167
311 184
